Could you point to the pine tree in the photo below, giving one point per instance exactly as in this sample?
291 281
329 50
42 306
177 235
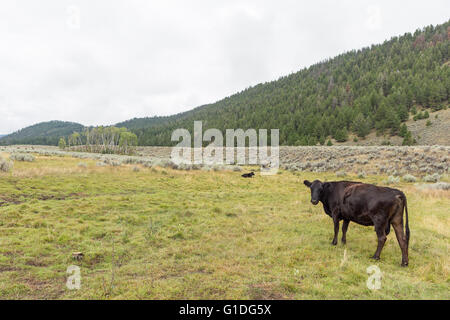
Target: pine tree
403 130
408 139
341 135
361 126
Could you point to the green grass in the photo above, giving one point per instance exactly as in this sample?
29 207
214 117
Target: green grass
166 234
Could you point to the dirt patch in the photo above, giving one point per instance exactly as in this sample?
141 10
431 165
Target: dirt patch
16 199
11 253
36 263
45 289
6 268
266 291
62 197
4 201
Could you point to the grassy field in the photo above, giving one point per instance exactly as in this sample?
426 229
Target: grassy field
155 233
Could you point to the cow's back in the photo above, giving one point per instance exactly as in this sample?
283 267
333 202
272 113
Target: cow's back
363 202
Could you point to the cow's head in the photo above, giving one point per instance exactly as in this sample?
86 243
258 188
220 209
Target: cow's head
316 190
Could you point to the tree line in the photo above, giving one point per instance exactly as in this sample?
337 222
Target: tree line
102 140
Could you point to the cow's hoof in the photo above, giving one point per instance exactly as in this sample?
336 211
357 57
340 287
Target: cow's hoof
404 264
344 242
334 242
375 258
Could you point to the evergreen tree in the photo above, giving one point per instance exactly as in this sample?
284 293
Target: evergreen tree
361 126
408 140
341 135
403 130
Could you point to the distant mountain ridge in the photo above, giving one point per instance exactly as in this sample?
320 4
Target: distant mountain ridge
45 133
374 88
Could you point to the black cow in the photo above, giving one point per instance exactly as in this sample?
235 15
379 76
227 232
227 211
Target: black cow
364 204
248 175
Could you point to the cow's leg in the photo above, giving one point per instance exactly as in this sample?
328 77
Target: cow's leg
401 238
381 235
336 230
344 230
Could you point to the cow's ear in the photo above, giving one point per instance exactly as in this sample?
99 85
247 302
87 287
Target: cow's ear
307 183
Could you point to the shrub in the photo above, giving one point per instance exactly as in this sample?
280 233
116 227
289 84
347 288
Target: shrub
82 165
148 164
435 177
184 166
392 180
22 157
362 175
409 178
167 164
5 165
341 174
115 163
435 186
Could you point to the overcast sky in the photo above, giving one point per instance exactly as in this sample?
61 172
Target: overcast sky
101 62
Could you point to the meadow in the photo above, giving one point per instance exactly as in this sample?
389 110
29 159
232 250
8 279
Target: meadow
153 232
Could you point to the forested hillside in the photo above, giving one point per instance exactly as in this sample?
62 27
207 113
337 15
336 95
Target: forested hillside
44 133
140 123
374 88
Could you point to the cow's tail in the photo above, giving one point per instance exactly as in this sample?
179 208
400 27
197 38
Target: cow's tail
405 206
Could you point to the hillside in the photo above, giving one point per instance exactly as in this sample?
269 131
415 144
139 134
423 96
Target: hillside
141 123
437 132
372 88
364 93
44 133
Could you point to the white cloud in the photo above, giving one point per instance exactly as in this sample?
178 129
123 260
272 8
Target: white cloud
105 61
